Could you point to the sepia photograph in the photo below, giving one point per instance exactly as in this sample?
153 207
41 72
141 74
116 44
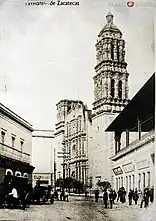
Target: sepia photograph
77 110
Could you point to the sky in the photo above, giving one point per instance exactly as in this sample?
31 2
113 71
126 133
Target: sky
47 53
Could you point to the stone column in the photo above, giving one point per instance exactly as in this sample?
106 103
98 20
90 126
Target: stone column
115 51
116 86
103 87
109 50
124 88
109 86
120 50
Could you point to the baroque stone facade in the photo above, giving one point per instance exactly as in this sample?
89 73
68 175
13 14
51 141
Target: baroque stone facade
110 97
74 123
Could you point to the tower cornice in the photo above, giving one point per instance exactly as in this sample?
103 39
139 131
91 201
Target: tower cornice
109 62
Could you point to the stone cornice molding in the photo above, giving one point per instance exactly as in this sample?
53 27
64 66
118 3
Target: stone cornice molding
13 116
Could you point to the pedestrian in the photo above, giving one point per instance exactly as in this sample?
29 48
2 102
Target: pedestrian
56 194
152 194
62 195
123 199
114 195
59 194
111 197
67 195
139 194
146 197
130 196
37 192
105 198
119 194
135 196
22 194
14 197
96 196
142 199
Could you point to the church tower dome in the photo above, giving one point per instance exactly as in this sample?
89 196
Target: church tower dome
111 78
109 26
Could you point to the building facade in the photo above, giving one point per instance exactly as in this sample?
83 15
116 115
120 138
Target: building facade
110 97
134 162
77 137
15 145
43 156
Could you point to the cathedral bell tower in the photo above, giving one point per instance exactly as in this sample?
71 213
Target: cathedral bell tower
111 78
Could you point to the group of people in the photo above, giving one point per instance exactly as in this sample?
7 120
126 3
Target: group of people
109 196
144 197
61 195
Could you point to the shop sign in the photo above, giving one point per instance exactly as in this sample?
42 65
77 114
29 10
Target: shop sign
143 164
128 167
41 177
117 171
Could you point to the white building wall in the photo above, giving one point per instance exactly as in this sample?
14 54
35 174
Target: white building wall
14 129
43 151
59 148
101 150
132 164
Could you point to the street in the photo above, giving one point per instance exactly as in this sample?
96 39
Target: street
77 209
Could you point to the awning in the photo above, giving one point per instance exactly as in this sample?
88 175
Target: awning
142 107
15 165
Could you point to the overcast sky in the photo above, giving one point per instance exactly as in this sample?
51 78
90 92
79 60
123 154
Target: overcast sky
48 53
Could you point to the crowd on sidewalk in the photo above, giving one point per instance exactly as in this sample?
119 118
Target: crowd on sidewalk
137 197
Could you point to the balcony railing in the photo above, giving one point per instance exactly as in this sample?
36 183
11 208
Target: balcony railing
13 153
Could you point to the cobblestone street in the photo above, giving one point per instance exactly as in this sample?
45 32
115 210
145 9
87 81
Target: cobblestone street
78 209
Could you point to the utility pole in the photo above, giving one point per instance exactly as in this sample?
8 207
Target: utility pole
54 169
64 156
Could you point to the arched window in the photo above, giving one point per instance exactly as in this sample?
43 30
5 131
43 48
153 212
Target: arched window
112 87
9 172
120 89
25 175
118 52
112 51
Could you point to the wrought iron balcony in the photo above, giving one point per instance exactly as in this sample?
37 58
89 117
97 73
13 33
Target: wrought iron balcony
8 151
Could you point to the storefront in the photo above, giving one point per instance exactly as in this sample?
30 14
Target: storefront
15 168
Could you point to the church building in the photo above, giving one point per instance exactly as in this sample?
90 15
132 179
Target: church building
73 138
110 97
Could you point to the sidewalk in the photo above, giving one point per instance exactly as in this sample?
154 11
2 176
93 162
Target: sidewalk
124 212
